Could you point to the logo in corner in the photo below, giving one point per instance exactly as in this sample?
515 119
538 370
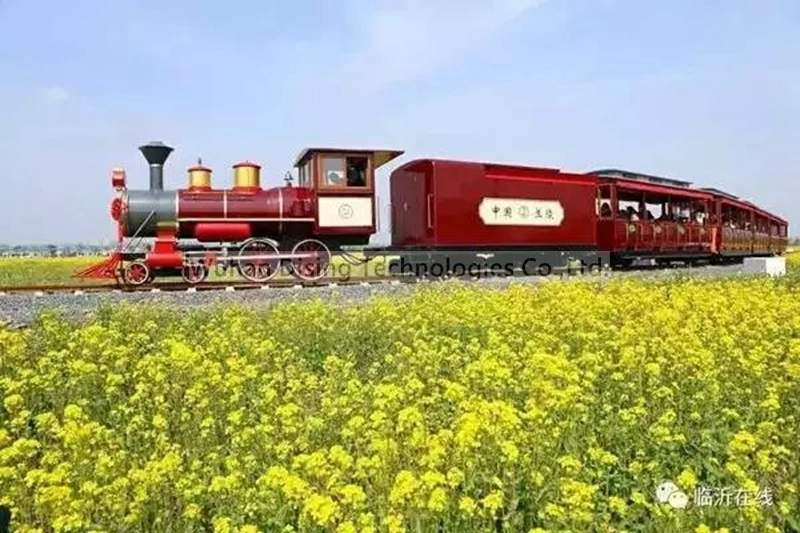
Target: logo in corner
346 211
669 493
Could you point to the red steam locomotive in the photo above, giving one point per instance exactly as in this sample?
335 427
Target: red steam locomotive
247 227
438 207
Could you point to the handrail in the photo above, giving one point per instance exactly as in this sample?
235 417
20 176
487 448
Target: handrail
136 234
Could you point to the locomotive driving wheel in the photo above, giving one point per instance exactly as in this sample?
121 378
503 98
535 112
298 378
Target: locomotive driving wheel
136 273
313 261
194 272
259 260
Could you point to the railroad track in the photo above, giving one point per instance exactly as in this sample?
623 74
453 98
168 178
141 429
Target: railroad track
235 285
179 286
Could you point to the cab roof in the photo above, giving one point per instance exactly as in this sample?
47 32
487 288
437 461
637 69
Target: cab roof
379 156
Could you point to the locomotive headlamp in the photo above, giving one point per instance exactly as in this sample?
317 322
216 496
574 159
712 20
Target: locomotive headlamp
118 178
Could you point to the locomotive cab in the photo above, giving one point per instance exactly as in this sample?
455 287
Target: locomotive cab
343 182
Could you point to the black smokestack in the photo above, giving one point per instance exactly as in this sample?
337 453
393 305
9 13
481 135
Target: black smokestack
156 154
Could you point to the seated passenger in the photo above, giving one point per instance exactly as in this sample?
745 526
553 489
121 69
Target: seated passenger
605 210
632 216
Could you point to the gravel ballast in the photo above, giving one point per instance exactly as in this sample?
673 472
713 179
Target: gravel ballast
18 310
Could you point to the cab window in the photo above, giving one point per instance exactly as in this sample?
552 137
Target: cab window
304 179
356 171
345 171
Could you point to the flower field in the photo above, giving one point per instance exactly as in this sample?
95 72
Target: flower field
793 259
43 270
560 407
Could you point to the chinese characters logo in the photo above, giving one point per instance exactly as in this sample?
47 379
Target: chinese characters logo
522 212
669 493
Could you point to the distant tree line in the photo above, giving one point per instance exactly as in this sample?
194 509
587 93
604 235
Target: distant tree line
53 250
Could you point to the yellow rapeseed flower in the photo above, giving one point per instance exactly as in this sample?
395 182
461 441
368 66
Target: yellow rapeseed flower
547 407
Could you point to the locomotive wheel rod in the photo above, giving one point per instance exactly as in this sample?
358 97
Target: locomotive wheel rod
236 258
281 256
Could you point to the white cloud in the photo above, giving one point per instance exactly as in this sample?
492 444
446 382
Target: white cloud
406 41
56 95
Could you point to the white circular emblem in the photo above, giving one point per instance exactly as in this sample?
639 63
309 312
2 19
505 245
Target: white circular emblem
678 499
664 490
669 493
345 211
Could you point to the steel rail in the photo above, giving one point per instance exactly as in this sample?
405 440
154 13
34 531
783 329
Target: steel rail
178 286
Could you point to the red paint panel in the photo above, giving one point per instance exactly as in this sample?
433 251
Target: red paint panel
200 204
409 189
454 190
165 260
222 231
264 204
279 202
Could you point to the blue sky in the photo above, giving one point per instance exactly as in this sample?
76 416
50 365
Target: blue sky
707 91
